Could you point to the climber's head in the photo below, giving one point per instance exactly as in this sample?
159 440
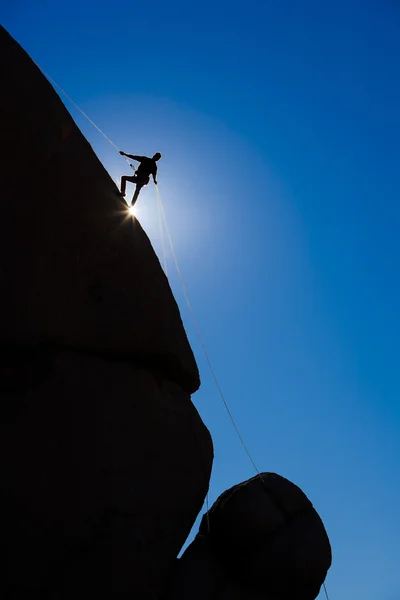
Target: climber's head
157 156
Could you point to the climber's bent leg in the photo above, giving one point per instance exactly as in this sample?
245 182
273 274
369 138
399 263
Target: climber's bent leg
124 179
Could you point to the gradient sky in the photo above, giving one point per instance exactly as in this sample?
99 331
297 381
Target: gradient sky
279 124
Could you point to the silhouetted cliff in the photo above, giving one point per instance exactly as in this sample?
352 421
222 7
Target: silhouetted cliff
104 460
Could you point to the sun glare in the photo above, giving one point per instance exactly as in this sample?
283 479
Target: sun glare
132 211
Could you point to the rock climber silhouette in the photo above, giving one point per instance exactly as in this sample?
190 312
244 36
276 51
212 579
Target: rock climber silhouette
147 167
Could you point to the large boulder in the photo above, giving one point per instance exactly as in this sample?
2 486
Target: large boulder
75 268
104 461
262 540
104 468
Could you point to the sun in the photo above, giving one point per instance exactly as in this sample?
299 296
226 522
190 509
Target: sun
132 211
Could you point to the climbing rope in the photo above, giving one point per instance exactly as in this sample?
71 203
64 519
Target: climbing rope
194 320
326 591
84 114
163 219
209 360
161 228
80 110
196 326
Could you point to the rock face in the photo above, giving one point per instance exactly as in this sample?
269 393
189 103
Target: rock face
262 540
104 461
76 270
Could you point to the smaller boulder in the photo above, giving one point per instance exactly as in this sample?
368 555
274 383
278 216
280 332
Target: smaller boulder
262 539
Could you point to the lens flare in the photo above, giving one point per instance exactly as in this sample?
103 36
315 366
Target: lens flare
132 211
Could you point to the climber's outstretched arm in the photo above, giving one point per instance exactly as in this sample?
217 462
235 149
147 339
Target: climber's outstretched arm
133 156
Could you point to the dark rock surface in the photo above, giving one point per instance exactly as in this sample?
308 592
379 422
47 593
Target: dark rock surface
103 471
104 461
262 540
75 269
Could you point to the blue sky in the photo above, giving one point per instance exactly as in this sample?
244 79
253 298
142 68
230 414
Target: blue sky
279 124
